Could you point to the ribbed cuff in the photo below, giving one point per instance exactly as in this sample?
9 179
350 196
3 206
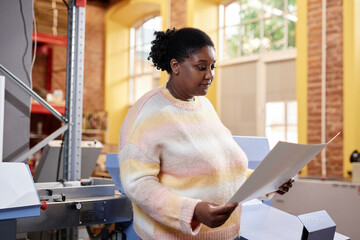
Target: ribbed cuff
186 217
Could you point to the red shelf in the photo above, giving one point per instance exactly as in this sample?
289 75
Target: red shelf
38 108
51 39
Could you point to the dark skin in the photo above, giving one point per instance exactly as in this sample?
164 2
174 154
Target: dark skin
191 78
214 215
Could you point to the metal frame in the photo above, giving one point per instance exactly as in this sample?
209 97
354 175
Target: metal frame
74 91
33 94
74 95
2 106
24 157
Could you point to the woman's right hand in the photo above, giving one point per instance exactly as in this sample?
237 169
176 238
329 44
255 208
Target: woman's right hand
213 215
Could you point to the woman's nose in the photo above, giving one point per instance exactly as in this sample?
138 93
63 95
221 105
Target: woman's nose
209 74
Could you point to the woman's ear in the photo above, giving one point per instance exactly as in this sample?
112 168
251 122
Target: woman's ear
174 66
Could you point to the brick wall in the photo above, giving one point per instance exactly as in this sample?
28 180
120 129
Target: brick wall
93 97
334 84
94 58
178 14
39 71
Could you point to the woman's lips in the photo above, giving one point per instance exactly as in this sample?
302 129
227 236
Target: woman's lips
206 85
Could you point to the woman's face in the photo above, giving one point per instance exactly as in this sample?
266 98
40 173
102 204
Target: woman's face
196 73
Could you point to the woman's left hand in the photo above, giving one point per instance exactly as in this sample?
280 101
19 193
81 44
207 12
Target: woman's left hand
285 187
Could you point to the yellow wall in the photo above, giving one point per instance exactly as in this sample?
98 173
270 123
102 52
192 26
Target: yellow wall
116 77
203 14
301 72
119 19
351 65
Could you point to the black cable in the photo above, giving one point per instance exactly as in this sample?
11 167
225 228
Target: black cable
92 235
67 5
27 42
103 234
59 159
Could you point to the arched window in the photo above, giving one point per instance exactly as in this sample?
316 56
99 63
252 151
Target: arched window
143 76
248 27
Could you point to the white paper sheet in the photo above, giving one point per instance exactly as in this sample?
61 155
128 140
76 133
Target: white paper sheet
282 163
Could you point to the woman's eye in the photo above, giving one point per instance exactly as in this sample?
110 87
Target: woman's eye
213 67
201 67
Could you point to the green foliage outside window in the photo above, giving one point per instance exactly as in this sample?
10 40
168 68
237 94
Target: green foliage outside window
261 28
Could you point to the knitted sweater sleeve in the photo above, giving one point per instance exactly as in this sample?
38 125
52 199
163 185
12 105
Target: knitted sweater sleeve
139 178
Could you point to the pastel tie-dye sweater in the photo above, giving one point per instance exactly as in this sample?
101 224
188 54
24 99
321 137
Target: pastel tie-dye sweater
172 155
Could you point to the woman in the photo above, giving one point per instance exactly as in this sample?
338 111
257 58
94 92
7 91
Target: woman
179 163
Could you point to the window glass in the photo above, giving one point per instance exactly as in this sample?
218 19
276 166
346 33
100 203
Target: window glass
292 8
281 122
275 134
138 36
232 12
143 76
291 34
275 113
148 65
148 31
291 111
250 9
232 37
292 134
250 41
273 7
142 85
274 33
138 59
248 27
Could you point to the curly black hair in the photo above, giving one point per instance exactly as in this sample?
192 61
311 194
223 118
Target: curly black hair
176 44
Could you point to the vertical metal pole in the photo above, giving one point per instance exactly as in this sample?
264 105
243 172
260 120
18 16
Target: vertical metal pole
69 77
74 95
74 90
2 107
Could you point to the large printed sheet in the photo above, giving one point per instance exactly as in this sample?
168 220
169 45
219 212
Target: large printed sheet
282 163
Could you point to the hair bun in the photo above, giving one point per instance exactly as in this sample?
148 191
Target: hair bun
160 48
176 44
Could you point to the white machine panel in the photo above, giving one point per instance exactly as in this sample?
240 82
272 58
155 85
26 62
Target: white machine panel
340 199
19 197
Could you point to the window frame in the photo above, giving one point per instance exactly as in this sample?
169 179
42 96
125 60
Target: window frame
286 15
134 76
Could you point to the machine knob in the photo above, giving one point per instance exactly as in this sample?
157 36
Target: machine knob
43 205
78 206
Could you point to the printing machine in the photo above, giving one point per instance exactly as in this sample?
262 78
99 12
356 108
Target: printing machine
76 205
28 210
